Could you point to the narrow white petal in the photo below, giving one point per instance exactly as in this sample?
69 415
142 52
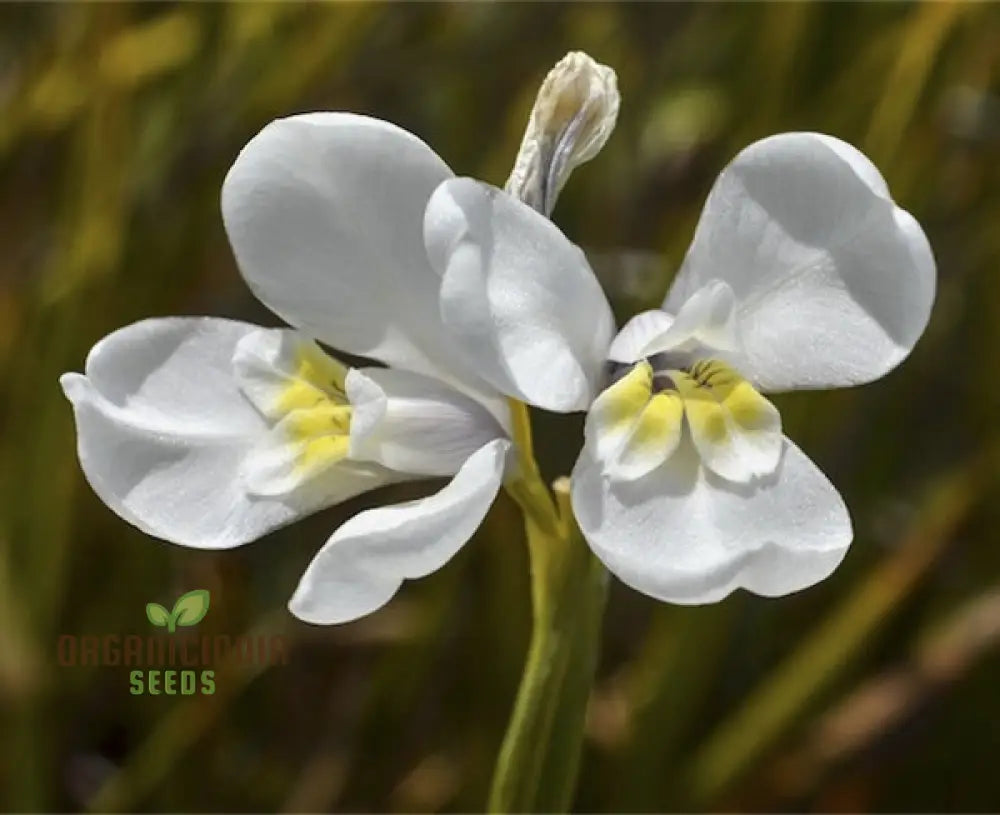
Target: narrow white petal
705 321
325 215
519 298
682 534
164 432
636 335
410 422
834 283
363 565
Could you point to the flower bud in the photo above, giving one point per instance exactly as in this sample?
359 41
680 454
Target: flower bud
573 116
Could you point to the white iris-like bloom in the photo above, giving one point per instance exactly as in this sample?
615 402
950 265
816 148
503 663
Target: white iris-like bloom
802 274
210 433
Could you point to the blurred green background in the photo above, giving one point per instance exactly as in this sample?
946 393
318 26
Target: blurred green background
876 690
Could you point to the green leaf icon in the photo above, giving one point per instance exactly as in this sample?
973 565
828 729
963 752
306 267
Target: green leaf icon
157 614
190 608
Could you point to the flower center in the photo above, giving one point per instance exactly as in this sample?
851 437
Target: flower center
313 410
300 391
638 422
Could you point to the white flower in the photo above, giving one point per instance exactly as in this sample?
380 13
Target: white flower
210 433
803 273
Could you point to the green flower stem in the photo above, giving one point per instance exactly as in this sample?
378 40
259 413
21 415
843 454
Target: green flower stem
537 767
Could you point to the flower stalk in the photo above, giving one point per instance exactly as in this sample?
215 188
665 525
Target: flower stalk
573 116
538 762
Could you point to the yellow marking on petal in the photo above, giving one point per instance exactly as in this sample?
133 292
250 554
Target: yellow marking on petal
659 423
705 414
623 401
632 429
655 436
746 407
326 419
315 410
321 452
316 379
736 430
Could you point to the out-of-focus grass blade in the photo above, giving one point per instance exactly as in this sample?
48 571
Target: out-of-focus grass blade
663 691
925 35
180 729
884 703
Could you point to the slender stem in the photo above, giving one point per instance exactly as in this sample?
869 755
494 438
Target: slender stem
537 766
527 487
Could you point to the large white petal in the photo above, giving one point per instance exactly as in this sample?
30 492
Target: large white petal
684 535
834 283
325 215
365 562
411 422
519 298
164 431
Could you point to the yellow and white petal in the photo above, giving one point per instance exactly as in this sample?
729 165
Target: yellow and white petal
164 432
735 429
613 414
367 559
833 282
653 439
414 423
684 535
630 429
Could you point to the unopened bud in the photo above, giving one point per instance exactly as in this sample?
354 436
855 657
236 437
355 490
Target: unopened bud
573 116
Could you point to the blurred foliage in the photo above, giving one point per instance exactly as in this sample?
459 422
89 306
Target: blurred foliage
876 690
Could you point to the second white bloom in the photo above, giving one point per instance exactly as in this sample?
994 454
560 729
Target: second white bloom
803 273
210 433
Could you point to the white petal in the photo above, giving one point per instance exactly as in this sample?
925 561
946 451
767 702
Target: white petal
410 422
834 282
519 298
631 343
325 215
363 565
706 320
683 535
163 433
